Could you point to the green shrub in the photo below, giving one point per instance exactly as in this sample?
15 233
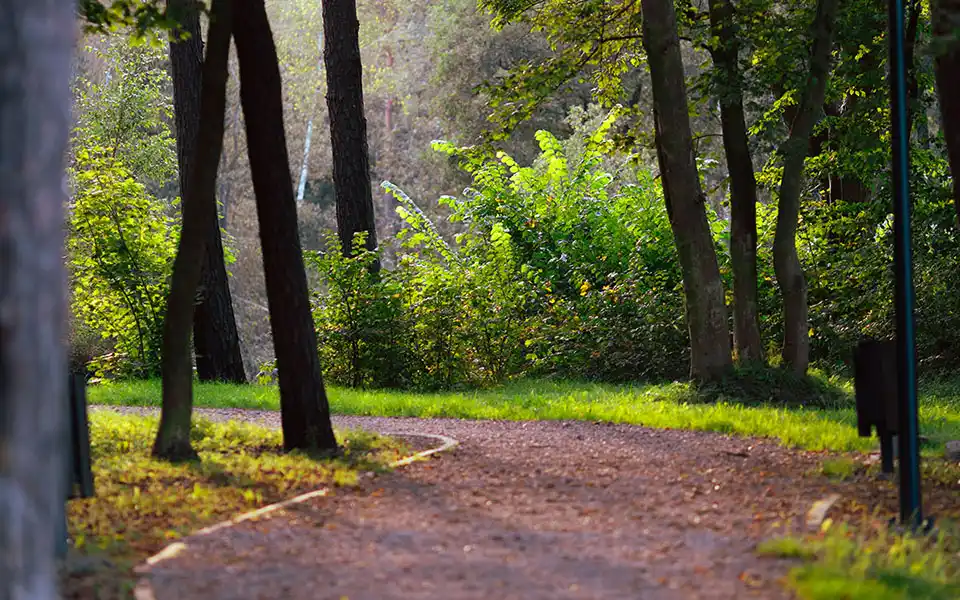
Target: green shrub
120 247
361 328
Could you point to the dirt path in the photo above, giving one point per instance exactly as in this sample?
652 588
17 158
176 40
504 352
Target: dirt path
536 510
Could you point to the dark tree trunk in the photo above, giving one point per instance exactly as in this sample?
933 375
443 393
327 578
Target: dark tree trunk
703 289
215 337
946 21
786 263
36 45
915 109
305 414
197 209
348 124
743 185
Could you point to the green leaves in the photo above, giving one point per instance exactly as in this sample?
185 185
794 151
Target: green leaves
120 250
129 111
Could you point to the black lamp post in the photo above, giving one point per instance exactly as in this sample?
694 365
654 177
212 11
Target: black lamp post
908 436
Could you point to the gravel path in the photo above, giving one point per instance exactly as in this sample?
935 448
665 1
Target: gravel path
521 510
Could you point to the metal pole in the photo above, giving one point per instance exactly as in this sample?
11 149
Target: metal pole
909 435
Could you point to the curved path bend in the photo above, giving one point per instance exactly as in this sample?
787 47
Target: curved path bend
521 510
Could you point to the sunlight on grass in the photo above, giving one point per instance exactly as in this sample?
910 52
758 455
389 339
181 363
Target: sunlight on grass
871 563
142 504
841 467
667 406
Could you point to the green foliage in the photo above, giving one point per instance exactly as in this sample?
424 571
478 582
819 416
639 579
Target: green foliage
129 111
839 468
144 17
599 41
848 250
122 237
120 249
442 318
595 248
872 563
359 318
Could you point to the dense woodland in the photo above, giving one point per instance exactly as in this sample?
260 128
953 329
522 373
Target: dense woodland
404 200
519 203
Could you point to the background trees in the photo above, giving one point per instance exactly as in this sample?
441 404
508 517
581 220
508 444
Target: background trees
215 336
348 123
199 211
568 220
305 413
705 312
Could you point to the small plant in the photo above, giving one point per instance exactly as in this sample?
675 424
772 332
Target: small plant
871 563
839 468
358 313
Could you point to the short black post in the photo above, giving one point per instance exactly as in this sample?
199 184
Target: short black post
886 452
78 472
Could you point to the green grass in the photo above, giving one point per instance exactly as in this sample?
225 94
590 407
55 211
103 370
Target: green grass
871 563
842 467
142 504
672 406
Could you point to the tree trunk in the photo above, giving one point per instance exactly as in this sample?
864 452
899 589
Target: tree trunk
946 21
197 209
36 48
215 337
348 124
915 109
743 185
305 415
703 290
786 263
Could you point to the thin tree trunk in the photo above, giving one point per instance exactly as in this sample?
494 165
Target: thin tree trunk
786 262
305 166
743 185
914 108
348 124
215 337
703 289
305 414
946 21
36 47
197 209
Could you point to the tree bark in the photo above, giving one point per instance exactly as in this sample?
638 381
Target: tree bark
198 207
348 124
36 47
703 289
743 185
216 341
946 21
786 263
305 414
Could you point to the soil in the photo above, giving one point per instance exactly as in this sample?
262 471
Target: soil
525 510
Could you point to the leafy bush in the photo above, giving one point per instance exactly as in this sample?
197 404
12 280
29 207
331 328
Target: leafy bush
442 318
121 246
359 320
847 249
560 269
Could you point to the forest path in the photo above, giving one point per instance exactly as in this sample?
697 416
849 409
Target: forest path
524 510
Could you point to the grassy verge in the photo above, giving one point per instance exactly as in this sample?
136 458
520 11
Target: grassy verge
142 504
831 425
871 563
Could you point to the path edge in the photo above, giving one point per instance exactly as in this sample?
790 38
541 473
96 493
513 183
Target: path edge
143 589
